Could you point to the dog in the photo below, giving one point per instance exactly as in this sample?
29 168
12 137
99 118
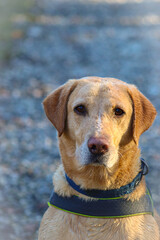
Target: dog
99 123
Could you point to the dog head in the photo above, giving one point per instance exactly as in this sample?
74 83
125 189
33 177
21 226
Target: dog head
97 119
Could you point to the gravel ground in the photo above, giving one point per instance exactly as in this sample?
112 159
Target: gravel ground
68 39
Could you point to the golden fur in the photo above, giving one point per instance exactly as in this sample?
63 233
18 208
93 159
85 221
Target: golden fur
100 96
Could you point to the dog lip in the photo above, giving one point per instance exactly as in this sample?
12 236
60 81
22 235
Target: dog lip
97 164
96 159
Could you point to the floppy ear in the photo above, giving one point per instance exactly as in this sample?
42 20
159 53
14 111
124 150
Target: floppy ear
144 112
55 105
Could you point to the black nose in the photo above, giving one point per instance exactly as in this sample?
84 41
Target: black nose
98 145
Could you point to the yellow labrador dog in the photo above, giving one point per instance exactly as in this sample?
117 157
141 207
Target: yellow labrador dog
100 180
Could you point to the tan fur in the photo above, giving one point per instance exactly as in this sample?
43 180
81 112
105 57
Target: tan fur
121 164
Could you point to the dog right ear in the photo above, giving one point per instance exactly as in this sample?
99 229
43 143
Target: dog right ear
55 105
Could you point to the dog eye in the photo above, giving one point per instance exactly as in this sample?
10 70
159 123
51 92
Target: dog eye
81 110
118 111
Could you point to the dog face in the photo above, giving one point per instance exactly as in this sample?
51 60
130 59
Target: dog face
97 120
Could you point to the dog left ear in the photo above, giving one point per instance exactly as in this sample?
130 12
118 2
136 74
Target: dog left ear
144 112
55 105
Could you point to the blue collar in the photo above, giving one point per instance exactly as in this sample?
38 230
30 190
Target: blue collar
113 193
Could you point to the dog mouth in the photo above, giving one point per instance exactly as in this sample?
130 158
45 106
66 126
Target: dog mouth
109 161
97 160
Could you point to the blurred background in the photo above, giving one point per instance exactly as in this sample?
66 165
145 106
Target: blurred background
43 43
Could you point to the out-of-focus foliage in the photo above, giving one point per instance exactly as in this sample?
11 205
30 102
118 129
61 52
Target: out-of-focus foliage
8 10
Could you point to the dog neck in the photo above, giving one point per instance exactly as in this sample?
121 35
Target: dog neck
112 193
100 177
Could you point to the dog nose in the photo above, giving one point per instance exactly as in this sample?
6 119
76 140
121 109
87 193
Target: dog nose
98 145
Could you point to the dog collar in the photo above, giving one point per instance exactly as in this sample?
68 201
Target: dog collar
106 208
113 193
107 204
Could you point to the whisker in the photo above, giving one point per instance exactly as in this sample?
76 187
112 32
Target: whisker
120 154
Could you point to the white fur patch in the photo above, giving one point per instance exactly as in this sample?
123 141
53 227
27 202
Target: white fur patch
99 124
82 153
60 184
112 160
